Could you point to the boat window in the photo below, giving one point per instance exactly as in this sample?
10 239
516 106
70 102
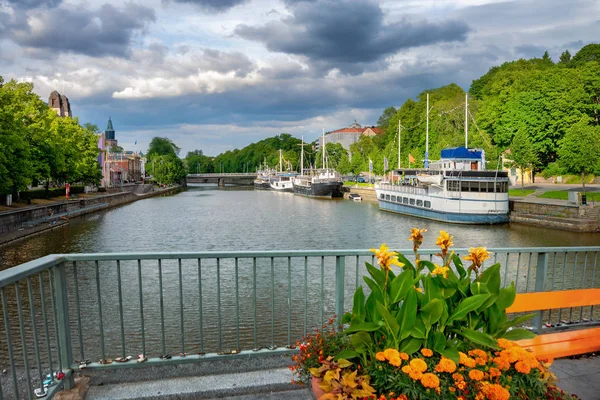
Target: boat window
453 186
427 204
412 202
405 200
464 186
394 199
387 196
382 196
420 203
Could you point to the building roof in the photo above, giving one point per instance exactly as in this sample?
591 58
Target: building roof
348 130
109 126
461 152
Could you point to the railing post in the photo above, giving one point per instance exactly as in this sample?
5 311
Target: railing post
340 268
541 272
64 331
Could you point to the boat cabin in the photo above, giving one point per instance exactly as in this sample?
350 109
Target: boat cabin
461 159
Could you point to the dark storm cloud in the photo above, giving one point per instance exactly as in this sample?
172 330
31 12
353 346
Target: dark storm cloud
29 4
212 5
107 31
349 35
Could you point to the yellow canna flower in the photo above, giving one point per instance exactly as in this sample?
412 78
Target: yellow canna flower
477 255
386 258
440 271
416 236
444 240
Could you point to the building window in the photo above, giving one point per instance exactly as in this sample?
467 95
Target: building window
427 204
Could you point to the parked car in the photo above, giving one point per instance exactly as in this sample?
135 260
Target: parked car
361 180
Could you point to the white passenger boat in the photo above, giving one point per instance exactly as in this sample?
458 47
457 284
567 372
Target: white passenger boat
456 189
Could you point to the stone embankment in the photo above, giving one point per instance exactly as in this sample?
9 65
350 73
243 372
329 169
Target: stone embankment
557 215
32 220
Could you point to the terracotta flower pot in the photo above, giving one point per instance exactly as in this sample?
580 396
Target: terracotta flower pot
316 388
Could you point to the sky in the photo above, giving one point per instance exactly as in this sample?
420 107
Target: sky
217 75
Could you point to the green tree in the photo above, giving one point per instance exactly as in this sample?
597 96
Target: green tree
565 57
523 154
590 52
384 119
162 146
580 148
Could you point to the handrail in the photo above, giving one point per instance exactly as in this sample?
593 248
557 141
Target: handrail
88 301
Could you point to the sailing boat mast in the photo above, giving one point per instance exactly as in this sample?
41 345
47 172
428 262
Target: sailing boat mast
280 166
427 136
323 163
466 120
302 157
399 133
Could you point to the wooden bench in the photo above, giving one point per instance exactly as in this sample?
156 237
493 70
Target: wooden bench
560 344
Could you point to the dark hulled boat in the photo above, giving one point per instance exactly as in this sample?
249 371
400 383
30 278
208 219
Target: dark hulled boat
324 183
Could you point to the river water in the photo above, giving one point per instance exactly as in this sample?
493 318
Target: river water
207 218
211 218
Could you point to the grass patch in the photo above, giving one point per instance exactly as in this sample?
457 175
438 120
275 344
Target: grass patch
564 195
352 183
518 192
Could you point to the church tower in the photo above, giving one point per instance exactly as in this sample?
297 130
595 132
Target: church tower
60 104
109 135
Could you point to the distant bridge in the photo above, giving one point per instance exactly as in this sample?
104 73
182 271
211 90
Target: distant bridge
235 178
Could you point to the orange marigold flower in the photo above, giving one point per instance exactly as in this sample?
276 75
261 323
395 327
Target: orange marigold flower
466 360
494 372
458 377
522 367
430 380
415 375
406 369
502 363
452 389
461 385
404 356
418 365
402 397
495 392
476 374
426 352
380 356
505 344
446 365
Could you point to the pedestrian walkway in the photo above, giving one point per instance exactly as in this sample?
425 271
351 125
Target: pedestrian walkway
579 376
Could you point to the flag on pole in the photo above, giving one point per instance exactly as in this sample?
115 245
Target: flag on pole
411 158
385 165
370 165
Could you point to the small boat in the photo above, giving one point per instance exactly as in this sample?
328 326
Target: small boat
354 197
263 179
283 182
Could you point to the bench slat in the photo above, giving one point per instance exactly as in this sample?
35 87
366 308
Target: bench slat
559 337
565 349
526 302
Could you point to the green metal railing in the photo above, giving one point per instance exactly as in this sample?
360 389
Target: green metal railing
210 305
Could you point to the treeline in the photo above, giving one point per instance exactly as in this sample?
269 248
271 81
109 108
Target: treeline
163 162
252 156
527 106
39 147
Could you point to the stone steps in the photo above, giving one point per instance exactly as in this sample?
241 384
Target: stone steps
251 385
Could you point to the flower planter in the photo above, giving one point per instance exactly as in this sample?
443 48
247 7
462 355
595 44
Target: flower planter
316 388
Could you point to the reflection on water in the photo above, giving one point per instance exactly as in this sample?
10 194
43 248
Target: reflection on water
211 218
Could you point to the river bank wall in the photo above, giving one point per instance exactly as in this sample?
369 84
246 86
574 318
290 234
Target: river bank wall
366 193
21 223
